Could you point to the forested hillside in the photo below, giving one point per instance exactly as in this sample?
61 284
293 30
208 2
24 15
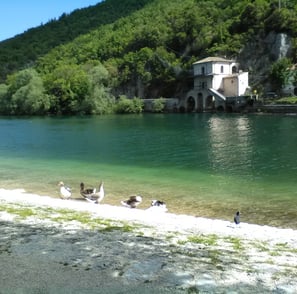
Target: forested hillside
23 50
148 53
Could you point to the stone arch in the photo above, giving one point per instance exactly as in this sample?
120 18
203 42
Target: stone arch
191 104
220 108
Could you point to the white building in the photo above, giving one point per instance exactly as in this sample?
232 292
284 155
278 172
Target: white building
215 79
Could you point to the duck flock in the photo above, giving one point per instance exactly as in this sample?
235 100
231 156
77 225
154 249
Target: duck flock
96 196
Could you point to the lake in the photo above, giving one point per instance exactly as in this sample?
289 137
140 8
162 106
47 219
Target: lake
208 165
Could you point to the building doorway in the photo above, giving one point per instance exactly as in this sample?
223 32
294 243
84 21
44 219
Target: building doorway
191 104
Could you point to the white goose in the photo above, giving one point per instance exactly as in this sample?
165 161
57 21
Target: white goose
65 192
132 202
91 195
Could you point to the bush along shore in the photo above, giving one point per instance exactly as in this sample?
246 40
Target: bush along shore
71 246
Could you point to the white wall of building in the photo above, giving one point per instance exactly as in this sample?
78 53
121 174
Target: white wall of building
243 83
230 86
220 74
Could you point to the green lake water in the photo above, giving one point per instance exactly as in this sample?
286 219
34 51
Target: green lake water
206 165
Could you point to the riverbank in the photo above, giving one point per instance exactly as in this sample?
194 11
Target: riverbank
72 246
289 109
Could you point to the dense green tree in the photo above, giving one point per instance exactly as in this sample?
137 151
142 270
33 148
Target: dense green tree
100 100
280 72
4 103
69 86
25 94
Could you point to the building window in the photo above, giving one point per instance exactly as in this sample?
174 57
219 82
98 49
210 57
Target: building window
203 70
222 68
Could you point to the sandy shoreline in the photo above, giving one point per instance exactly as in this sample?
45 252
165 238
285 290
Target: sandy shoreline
120 250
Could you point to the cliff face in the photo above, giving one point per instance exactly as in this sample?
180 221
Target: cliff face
259 54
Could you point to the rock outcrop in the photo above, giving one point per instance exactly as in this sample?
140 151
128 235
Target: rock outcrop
259 54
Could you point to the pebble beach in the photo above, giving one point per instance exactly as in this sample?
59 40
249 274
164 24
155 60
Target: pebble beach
50 245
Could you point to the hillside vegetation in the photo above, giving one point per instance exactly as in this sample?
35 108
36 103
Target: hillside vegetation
131 48
23 50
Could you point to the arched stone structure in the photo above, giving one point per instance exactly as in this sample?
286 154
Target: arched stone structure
220 108
191 104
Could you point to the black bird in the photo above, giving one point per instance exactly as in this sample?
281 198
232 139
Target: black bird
237 218
158 203
132 202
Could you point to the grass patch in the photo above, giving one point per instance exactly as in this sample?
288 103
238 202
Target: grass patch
281 247
284 247
286 100
118 227
209 240
285 272
19 211
270 261
66 215
169 237
236 243
214 257
274 253
182 242
261 246
192 290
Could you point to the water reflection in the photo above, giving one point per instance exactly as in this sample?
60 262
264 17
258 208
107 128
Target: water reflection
231 146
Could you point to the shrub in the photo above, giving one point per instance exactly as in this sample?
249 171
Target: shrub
159 105
126 105
287 100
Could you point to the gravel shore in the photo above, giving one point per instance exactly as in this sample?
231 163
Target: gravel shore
50 245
